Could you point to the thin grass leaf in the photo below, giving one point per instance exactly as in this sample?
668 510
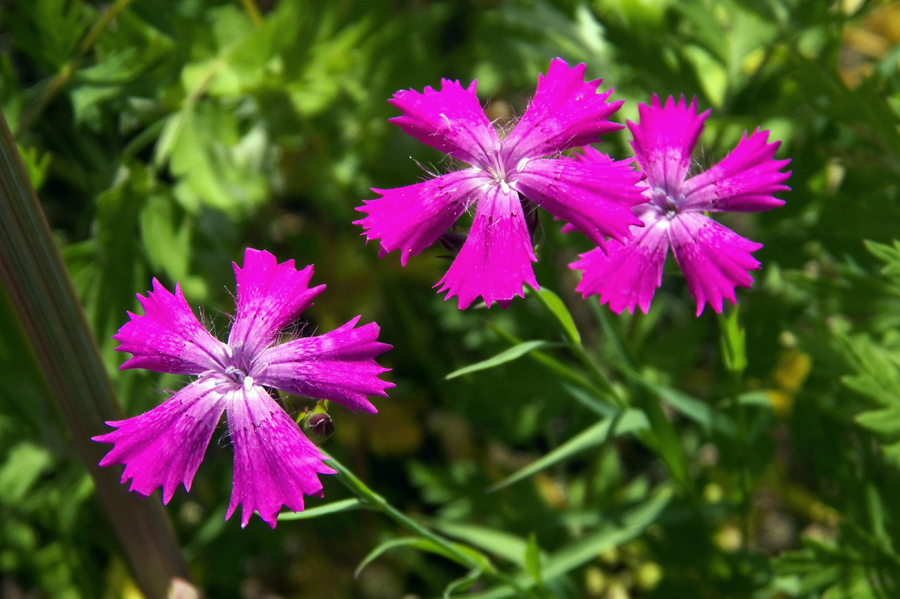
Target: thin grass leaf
416 543
598 434
556 306
513 353
44 299
462 583
533 560
335 507
497 542
613 533
700 412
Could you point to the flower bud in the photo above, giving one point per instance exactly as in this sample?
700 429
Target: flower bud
318 426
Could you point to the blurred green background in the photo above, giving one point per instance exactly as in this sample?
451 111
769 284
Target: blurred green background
165 136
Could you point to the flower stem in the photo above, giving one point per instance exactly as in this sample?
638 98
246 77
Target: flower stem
376 502
577 348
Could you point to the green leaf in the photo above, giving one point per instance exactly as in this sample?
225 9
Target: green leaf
513 353
497 542
612 533
419 543
36 163
733 342
700 412
462 583
334 507
24 465
167 233
533 560
625 422
885 423
556 306
886 253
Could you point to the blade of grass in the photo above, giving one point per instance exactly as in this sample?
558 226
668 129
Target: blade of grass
42 295
513 353
597 434
612 533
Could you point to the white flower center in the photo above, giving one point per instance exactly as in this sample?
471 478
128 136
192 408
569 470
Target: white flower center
667 204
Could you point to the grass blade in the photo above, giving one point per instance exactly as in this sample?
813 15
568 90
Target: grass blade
44 300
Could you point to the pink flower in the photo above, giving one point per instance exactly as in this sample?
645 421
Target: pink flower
496 258
274 463
713 258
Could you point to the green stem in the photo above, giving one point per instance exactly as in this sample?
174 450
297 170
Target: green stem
253 12
40 291
378 503
555 365
665 440
576 347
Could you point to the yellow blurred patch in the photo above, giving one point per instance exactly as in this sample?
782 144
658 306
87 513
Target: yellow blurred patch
553 492
791 370
781 402
729 538
789 374
868 40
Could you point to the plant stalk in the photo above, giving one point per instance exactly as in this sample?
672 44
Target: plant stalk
39 288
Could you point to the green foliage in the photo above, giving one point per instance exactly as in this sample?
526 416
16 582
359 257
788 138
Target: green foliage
662 455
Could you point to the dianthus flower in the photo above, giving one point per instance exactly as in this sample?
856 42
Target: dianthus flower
714 259
504 178
274 463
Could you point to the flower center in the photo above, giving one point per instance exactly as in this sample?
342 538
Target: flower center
238 369
665 203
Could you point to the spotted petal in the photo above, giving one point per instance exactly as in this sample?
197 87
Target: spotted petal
566 112
450 120
743 181
594 194
269 297
630 274
168 337
495 261
339 365
664 140
274 463
165 446
714 259
411 218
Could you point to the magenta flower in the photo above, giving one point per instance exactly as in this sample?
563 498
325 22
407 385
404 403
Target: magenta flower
713 258
496 258
274 463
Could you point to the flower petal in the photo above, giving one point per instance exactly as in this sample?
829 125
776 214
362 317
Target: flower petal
566 112
168 337
630 274
594 193
743 182
165 446
339 365
664 140
274 463
269 297
450 120
714 259
495 260
411 218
